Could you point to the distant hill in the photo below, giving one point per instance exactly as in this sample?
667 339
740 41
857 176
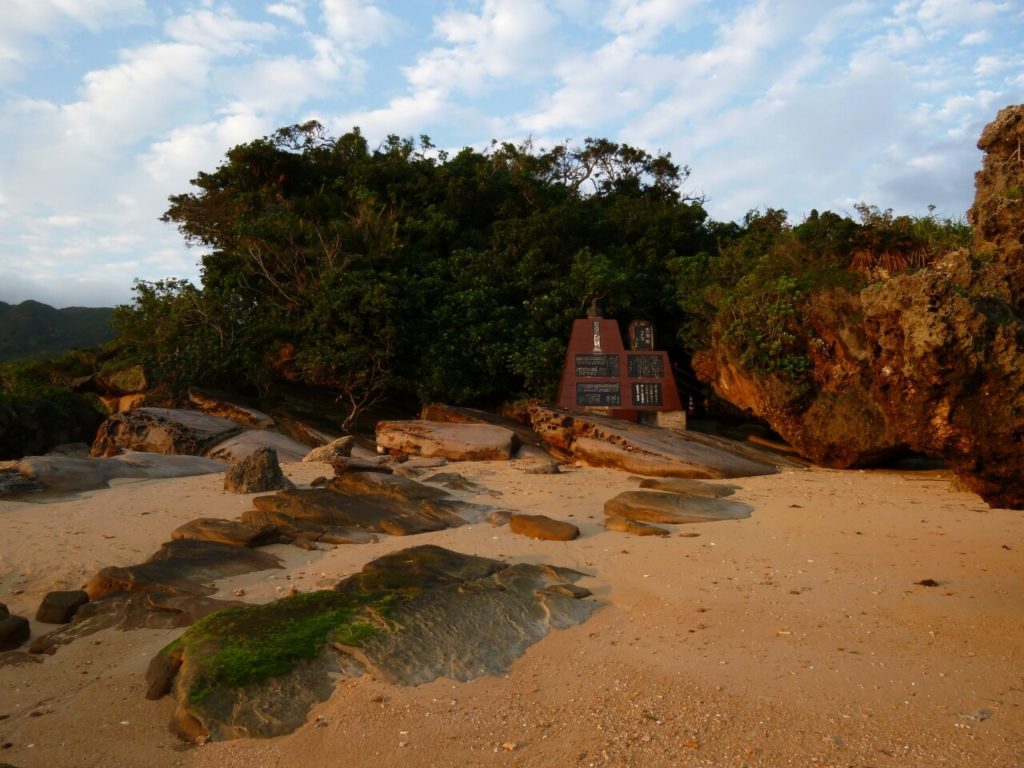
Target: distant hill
33 329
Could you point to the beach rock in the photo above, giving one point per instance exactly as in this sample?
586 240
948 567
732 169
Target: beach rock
228 532
829 417
303 532
333 451
60 607
542 468
381 484
14 630
606 442
453 481
250 441
628 525
14 483
220 404
457 442
181 567
377 464
408 618
673 508
543 527
526 437
161 430
258 473
331 509
687 487
67 474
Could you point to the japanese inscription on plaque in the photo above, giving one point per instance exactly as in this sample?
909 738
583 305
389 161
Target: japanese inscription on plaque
597 366
645 366
646 394
598 393
641 335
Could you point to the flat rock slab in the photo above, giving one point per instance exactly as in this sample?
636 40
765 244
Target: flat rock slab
220 404
67 474
244 445
330 508
673 508
634 527
453 414
457 442
181 567
605 442
409 617
543 527
382 484
687 487
161 430
230 532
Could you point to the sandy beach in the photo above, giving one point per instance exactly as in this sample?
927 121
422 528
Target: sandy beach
798 636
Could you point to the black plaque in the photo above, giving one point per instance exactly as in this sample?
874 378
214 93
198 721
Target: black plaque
646 393
641 335
597 393
597 366
645 366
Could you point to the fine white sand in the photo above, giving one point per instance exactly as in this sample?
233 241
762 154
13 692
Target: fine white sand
795 637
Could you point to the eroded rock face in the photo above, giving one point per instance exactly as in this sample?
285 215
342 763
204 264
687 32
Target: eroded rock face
831 419
457 442
409 617
161 430
605 442
257 473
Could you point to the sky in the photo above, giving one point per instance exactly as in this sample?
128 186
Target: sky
107 107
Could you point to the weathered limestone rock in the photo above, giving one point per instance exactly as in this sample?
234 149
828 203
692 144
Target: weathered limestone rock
627 525
161 430
60 607
60 473
219 404
228 532
673 508
605 442
181 567
408 617
458 442
543 527
247 443
333 451
258 473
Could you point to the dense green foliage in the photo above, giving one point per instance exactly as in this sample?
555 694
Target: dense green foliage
403 269
34 330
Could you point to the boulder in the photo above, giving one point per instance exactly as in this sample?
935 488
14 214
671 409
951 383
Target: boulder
257 473
228 532
333 451
408 618
220 404
543 527
628 525
183 567
527 438
673 508
64 474
161 430
250 441
457 442
60 607
831 418
14 630
606 442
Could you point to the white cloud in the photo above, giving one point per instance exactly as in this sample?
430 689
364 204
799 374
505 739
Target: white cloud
358 23
289 12
976 38
221 31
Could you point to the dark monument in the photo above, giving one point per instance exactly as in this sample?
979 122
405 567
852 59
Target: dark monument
600 374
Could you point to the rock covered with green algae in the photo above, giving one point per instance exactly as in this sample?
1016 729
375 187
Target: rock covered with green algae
409 617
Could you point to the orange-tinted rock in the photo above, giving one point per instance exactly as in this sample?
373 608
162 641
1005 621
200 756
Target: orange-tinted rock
458 442
543 527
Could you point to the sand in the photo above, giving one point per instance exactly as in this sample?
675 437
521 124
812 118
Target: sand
796 637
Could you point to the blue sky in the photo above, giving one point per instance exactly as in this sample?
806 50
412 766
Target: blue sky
107 107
